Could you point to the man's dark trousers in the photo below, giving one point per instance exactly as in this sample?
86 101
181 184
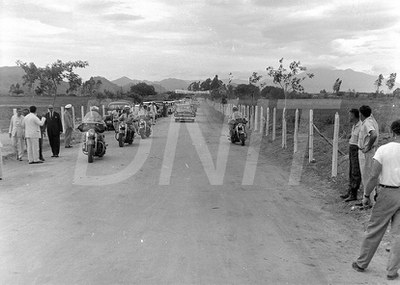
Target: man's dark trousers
54 129
354 171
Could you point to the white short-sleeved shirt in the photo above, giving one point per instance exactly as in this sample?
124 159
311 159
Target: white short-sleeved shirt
368 125
388 156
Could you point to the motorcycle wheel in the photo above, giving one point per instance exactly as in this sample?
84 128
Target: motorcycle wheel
148 132
242 139
121 140
90 153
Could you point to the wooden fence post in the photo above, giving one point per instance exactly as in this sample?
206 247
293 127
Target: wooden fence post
255 118
284 133
274 124
248 113
267 123
73 117
311 137
83 112
296 131
104 110
261 120
335 146
62 119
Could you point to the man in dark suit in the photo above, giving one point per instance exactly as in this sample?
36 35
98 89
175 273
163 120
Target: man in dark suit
54 129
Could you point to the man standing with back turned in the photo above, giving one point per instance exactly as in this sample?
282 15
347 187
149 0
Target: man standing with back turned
354 169
54 129
386 172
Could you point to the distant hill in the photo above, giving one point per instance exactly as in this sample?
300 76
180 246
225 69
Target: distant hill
107 85
10 75
172 84
125 83
122 81
324 79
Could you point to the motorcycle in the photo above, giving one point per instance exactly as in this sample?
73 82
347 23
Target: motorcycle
125 134
239 131
144 129
93 141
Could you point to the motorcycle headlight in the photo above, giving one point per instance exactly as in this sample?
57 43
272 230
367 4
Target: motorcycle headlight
91 133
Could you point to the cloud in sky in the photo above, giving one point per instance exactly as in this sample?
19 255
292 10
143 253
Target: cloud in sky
154 39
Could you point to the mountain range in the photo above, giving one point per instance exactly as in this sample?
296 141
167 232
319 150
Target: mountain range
324 79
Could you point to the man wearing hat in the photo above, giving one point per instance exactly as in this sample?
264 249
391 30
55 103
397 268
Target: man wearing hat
54 129
69 125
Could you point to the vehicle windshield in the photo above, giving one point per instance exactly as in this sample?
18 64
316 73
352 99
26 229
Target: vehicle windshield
183 108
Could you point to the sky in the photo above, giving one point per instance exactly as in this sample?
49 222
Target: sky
194 39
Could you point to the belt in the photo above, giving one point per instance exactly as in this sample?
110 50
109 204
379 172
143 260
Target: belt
387 186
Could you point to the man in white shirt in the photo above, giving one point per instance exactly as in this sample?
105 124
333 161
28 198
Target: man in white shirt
386 172
354 169
32 125
16 132
367 142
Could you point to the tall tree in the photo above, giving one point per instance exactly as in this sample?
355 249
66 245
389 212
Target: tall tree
51 76
336 86
391 81
30 76
216 83
289 80
378 83
253 80
194 86
205 85
143 89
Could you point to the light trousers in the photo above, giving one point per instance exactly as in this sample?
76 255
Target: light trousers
19 145
33 149
366 160
68 136
386 210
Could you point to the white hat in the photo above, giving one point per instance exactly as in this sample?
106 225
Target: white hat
69 106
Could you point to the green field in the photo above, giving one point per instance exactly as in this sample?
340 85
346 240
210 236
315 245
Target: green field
8 103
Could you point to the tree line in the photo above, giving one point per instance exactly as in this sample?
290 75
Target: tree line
45 81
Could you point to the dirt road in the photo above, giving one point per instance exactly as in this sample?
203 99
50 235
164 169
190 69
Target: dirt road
182 207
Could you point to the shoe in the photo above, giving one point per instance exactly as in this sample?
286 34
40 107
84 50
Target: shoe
53 155
351 198
56 155
356 267
68 146
37 162
392 277
344 196
20 159
31 162
42 159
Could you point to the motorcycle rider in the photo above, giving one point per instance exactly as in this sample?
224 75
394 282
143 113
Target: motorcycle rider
232 121
128 117
93 117
115 115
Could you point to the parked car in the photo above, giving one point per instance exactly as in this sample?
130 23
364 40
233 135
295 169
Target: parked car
108 118
184 112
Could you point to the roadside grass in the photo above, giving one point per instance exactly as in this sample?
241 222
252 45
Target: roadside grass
7 103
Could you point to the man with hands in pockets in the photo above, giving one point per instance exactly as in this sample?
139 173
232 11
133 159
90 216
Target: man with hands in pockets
386 173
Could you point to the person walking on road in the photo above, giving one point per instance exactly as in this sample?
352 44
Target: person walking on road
367 142
54 130
69 125
16 132
32 124
386 172
354 168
